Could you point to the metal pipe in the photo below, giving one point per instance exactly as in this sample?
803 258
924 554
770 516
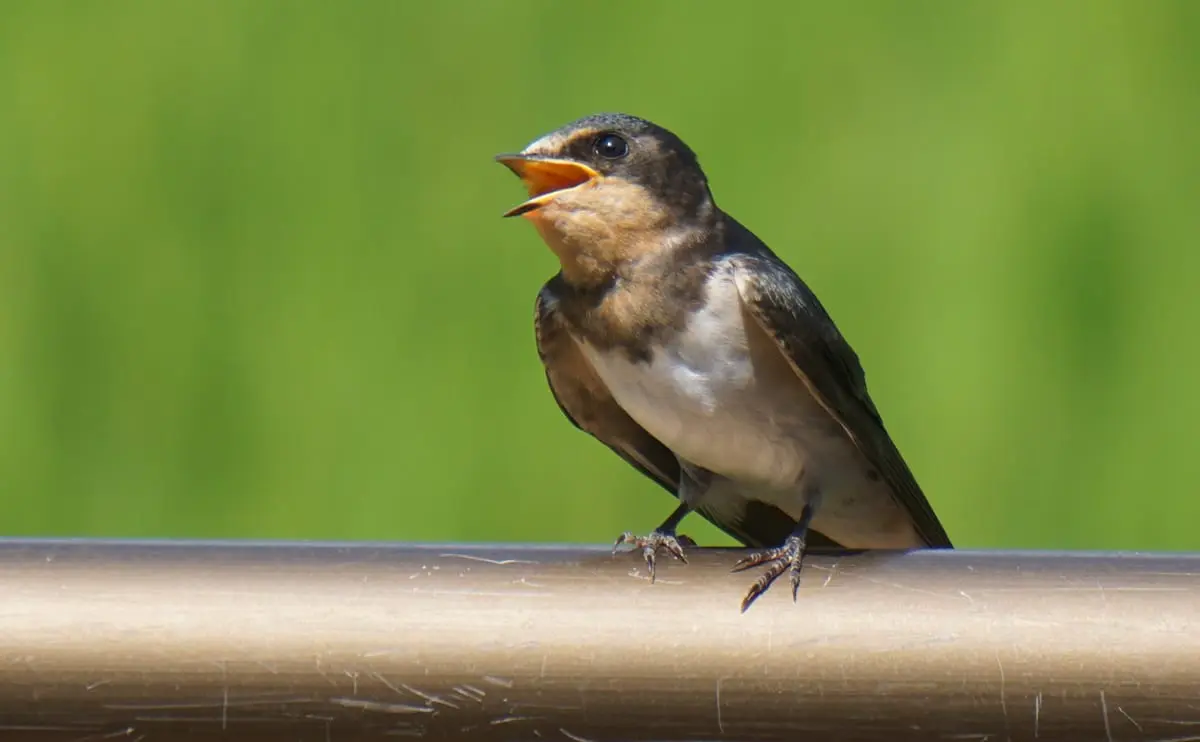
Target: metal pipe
282 641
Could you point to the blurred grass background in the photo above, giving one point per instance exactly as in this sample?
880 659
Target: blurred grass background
254 283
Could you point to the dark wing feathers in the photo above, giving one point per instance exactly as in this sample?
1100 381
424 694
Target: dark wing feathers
790 314
587 403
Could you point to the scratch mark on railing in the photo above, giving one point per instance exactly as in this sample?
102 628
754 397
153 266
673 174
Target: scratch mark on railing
720 722
511 719
390 708
494 680
1104 710
1037 715
1003 689
485 560
1131 719
430 699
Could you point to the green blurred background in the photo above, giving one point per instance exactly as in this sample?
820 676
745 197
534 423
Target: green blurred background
254 282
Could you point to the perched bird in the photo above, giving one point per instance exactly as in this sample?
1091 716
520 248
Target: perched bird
677 338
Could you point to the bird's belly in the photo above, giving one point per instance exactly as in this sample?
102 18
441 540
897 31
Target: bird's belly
717 413
765 439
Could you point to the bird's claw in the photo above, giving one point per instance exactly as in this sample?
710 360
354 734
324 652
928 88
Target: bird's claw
652 544
789 557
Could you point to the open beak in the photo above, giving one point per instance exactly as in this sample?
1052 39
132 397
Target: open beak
544 178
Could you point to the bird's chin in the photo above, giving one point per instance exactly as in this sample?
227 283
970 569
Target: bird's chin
561 228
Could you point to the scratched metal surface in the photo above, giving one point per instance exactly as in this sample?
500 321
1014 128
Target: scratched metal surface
166 641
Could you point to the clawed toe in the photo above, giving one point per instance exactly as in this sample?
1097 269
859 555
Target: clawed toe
651 545
789 557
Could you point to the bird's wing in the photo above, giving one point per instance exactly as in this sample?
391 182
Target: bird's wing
789 313
588 404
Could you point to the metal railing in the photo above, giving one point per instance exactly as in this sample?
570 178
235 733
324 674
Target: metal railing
149 641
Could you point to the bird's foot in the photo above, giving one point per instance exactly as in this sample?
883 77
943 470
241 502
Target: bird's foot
788 557
652 544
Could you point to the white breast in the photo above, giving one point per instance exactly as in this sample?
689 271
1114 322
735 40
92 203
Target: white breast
720 398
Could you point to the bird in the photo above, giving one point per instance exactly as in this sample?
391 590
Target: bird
677 338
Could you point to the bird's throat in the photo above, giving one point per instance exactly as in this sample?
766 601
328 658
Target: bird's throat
589 252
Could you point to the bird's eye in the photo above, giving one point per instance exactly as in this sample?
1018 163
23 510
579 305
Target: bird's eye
611 146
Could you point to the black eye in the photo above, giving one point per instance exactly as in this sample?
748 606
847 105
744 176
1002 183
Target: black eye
611 146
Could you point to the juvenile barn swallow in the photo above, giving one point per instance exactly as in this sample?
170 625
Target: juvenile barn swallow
678 339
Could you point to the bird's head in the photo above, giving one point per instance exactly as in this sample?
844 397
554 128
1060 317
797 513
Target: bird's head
609 188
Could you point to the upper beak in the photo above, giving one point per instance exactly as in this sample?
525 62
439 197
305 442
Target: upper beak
544 177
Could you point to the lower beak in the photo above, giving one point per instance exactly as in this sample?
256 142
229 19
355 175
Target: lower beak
545 178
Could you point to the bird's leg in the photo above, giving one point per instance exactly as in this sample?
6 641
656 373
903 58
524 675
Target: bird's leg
693 484
663 538
788 557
